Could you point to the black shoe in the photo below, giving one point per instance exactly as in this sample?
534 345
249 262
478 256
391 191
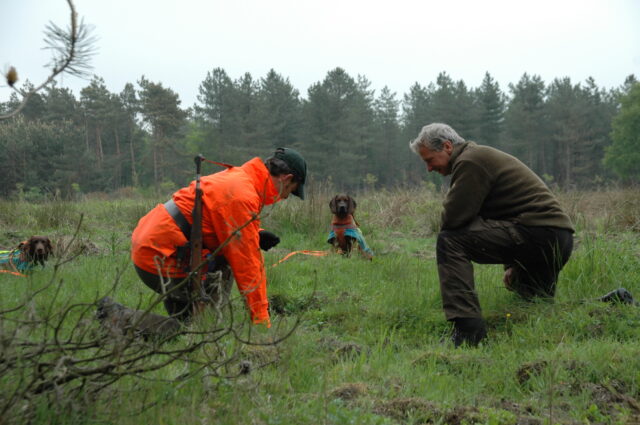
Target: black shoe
468 330
620 295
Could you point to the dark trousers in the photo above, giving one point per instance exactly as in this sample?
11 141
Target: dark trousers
536 255
179 300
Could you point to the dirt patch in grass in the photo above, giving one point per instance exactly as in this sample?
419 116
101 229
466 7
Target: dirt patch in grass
609 397
462 415
499 321
528 420
285 305
529 370
405 408
252 357
419 410
453 362
340 349
350 391
261 354
524 413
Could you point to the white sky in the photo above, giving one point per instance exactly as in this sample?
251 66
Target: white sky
394 43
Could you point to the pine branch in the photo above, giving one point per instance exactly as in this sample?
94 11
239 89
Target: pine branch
72 49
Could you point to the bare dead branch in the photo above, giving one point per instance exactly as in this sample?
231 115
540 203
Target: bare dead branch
54 349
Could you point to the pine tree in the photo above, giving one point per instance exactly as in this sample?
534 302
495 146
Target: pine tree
160 109
131 107
60 104
387 148
216 114
279 113
245 110
524 123
491 103
417 111
338 115
444 109
96 103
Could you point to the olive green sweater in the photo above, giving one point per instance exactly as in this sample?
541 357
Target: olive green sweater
494 185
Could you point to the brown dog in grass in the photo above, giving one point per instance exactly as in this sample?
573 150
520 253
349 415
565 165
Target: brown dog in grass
33 251
345 230
120 321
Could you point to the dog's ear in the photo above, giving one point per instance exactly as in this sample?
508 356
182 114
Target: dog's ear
352 204
333 204
24 246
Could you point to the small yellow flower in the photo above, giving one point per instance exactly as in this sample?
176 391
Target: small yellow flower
508 315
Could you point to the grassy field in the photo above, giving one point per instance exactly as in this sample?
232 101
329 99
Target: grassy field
367 341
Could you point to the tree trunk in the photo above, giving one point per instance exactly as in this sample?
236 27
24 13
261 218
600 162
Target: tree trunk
118 170
99 151
542 157
134 174
567 166
86 134
155 166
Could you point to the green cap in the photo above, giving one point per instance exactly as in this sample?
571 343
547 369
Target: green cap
298 167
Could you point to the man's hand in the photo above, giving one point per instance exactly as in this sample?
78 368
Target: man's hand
268 240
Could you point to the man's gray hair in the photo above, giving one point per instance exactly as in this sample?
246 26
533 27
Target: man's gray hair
432 137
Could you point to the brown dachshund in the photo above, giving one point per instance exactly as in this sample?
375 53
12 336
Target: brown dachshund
344 227
33 251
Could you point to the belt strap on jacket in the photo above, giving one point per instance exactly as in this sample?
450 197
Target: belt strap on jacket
178 217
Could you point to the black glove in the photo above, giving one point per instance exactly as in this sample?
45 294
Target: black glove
268 240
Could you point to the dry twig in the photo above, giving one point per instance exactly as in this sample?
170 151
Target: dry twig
54 352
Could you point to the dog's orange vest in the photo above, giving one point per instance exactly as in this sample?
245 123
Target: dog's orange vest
231 199
339 225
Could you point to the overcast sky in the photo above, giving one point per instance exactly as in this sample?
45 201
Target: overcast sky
394 42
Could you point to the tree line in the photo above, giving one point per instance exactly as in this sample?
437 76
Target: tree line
356 138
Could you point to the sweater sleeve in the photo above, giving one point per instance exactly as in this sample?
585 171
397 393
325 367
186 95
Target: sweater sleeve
243 254
470 184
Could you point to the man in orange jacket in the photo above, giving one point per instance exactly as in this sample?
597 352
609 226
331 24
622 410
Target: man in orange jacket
231 204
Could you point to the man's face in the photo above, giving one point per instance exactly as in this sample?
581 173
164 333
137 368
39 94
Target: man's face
437 160
286 185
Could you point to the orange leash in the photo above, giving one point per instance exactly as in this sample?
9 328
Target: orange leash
13 273
305 252
222 164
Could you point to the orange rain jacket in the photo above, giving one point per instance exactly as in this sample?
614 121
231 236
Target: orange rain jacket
230 199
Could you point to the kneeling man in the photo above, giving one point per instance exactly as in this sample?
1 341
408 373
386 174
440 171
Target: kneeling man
497 211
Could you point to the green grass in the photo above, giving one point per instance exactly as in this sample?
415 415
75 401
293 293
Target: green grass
368 348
